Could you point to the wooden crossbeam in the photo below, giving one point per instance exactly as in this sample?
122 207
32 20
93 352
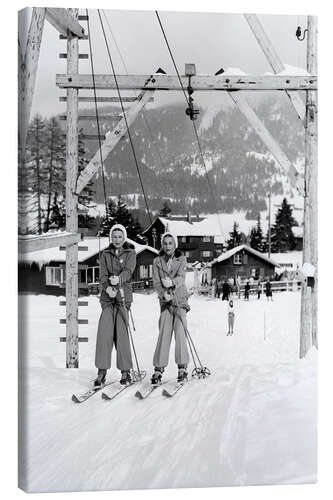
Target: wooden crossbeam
104 99
80 321
27 71
79 339
265 136
80 303
112 138
63 21
80 248
81 56
198 82
32 243
274 60
92 137
113 118
64 37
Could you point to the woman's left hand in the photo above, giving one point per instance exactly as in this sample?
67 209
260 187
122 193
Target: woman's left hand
114 280
167 282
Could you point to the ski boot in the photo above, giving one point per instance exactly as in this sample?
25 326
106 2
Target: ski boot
125 377
182 374
156 378
100 380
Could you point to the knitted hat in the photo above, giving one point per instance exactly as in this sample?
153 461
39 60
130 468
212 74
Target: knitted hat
119 227
173 236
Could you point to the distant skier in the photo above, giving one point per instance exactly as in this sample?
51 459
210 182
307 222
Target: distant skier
268 290
169 270
225 290
231 317
259 290
117 265
218 288
247 291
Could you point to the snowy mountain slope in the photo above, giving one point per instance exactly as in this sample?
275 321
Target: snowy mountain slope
253 421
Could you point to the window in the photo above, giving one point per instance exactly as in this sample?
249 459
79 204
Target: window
144 271
93 274
83 276
54 276
237 258
206 253
206 239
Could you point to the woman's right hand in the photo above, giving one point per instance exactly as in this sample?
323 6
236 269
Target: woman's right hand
112 292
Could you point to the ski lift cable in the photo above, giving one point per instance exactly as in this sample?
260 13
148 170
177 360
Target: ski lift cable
195 129
145 120
97 115
125 118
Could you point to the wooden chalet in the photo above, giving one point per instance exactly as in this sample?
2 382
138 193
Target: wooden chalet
44 271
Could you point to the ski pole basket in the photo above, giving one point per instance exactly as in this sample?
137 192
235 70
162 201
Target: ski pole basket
138 375
202 372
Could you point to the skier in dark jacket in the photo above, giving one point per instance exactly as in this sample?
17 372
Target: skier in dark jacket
268 290
117 265
247 291
225 290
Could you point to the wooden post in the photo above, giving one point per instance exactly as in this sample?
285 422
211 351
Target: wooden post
309 295
72 344
269 222
312 144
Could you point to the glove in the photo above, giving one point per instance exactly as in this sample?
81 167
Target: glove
167 282
114 280
112 292
167 296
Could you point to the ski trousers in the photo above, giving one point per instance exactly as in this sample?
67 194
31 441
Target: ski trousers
172 320
113 330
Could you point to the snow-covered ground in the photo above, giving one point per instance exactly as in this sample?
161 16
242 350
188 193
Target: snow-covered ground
253 421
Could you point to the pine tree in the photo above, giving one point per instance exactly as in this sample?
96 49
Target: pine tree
124 217
55 165
109 220
37 176
236 238
282 236
256 237
57 214
165 210
87 194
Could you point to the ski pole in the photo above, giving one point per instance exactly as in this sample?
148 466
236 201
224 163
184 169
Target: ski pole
130 311
129 332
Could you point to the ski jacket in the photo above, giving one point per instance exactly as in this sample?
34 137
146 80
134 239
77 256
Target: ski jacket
122 264
176 271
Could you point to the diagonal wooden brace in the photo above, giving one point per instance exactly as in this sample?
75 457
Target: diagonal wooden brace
267 139
27 71
274 61
112 138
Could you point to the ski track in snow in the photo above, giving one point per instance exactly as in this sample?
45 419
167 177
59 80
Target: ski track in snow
253 421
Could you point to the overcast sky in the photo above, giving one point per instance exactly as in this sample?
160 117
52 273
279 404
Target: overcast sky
209 40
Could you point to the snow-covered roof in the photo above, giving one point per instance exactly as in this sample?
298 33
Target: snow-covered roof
94 246
288 258
206 227
210 225
229 253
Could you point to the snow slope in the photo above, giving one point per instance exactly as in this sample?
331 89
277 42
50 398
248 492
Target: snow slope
253 421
